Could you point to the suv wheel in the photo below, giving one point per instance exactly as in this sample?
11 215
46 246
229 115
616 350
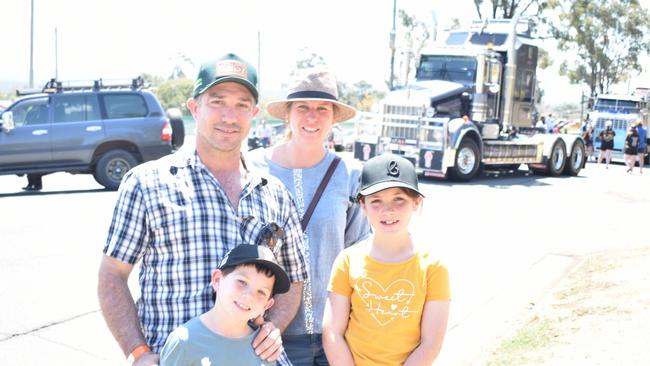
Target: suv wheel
112 166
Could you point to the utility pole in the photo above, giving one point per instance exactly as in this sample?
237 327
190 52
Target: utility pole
56 53
392 48
31 49
259 60
582 104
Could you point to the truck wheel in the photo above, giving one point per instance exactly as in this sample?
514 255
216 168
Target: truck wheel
112 166
466 163
557 160
576 160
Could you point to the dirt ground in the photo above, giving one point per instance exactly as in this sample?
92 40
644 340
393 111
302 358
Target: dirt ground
598 315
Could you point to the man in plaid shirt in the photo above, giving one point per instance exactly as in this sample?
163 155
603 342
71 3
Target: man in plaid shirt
181 214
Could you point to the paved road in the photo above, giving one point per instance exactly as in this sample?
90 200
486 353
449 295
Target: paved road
507 239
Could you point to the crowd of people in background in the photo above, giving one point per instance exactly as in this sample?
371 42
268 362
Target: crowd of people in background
635 140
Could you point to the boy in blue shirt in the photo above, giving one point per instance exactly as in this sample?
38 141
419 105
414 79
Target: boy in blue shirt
244 284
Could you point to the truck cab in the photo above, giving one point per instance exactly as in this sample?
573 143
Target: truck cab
623 110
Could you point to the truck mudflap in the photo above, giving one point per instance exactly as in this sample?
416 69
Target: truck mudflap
430 162
364 150
430 159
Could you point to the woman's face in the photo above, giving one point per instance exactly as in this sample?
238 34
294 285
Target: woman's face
311 121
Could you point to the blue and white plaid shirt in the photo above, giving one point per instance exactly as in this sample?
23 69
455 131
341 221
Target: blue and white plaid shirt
174 215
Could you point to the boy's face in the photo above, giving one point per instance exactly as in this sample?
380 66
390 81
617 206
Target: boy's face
244 293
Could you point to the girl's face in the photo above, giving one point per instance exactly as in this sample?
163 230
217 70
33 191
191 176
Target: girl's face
389 211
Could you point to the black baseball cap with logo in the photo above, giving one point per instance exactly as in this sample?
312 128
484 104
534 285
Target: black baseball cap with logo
228 67
388 171
260 254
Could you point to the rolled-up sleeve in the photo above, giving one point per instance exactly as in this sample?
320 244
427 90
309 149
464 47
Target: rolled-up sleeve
127 232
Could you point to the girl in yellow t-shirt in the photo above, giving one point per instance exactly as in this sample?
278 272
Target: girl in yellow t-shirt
388 300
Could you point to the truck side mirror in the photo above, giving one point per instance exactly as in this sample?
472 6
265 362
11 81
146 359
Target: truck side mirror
465 104
8 121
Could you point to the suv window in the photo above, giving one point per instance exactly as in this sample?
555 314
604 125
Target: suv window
76 108
124 106
30 112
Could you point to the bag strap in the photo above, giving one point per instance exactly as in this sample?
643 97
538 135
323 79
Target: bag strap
319 192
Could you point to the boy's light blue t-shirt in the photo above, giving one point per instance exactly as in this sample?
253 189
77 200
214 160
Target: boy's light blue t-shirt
194 344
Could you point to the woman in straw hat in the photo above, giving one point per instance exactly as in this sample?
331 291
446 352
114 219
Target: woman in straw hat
302 162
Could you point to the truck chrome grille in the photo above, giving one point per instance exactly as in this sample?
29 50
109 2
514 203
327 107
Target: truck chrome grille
617 124
401 122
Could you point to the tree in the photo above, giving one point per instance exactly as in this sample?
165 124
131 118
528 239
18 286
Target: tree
7 96
174 93
606 38
361 95
416 35
152 80
181 63
506 9
306 60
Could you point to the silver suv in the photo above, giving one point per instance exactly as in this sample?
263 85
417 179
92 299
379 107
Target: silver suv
101 130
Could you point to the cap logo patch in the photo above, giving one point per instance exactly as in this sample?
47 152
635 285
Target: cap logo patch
393 168
231 67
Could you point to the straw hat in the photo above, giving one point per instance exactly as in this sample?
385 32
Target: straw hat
312 84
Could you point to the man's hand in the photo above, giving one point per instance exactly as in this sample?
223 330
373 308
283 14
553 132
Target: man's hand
268 343
148 359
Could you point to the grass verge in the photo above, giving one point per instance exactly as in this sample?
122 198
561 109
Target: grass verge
536 334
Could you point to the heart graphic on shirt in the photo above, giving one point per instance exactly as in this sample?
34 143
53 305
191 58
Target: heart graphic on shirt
385 304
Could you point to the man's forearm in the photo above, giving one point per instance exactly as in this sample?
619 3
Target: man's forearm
118 309
286 306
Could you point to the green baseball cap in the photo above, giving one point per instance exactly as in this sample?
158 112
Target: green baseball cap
229 67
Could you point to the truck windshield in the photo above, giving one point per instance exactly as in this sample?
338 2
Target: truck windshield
617 105
460 69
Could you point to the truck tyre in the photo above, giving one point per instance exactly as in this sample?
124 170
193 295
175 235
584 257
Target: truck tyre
556 162
576 160
466 162
112 166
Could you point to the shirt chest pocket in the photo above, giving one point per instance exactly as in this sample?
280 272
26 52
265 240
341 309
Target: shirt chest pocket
171 220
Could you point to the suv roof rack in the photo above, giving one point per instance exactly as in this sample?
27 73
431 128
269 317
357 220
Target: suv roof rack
56 86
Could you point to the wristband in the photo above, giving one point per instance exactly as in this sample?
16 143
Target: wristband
137 352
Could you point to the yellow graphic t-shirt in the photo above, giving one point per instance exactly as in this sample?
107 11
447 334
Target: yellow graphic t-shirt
386 302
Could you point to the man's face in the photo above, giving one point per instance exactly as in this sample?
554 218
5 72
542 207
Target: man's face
223 115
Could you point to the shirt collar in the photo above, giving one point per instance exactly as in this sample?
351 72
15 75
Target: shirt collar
190 159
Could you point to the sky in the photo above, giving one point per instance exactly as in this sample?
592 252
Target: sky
123 38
